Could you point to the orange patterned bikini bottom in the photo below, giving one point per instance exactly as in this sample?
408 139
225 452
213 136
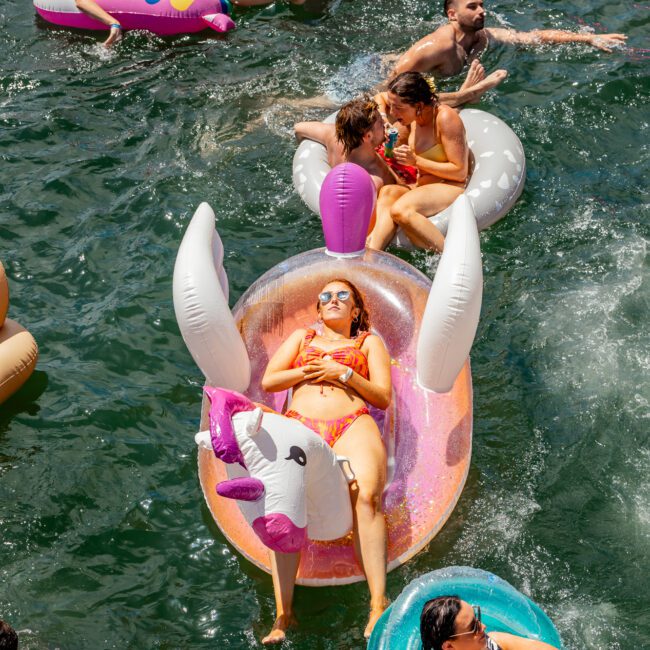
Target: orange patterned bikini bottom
329 430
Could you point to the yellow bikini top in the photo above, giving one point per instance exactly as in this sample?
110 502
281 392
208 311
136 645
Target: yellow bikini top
435 154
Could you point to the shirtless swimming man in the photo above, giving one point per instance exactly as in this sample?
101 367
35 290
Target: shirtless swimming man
445 51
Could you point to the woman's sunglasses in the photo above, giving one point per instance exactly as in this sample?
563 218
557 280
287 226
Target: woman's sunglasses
326 296
476 623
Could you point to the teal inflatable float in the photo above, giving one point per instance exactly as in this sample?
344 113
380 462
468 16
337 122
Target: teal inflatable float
503 608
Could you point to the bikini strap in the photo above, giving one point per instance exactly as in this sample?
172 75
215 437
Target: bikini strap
360 338
308 337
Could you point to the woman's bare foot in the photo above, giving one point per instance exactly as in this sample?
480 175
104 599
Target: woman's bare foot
491 81
375 614
277 633
475 74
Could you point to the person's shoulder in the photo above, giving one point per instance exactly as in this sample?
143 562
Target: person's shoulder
447 116
371 340
440 39
424 54
299 334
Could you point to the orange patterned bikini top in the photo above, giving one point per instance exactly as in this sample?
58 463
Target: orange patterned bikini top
349 355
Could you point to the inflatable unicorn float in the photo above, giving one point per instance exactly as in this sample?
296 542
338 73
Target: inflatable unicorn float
269 481
163 17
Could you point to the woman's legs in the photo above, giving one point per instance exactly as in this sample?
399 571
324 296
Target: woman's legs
362 444
284 567
385 227
410 212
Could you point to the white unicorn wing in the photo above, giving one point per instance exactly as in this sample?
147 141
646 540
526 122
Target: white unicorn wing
454 304
201 306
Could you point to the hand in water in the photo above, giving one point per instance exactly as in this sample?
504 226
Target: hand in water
114 36
606 42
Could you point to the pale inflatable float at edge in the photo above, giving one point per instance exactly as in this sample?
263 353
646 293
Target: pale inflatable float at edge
18 349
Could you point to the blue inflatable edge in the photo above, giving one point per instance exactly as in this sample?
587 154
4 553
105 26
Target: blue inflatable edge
503 608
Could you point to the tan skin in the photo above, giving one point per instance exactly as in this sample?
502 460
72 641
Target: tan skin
91 8
439 183
364 155
468 640
318 393
446 51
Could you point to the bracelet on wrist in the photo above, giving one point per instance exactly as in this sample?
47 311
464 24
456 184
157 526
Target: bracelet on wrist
345 377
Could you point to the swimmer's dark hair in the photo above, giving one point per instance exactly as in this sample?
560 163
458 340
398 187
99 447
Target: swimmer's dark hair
354 120
438 621
413 88
8 637
362 324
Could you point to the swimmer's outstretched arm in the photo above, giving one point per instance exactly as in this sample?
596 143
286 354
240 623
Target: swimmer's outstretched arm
604 42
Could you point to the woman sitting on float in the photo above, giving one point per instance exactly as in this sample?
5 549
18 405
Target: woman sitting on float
333 375
437 147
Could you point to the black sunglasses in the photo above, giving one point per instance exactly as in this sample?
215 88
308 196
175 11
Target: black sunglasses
476 623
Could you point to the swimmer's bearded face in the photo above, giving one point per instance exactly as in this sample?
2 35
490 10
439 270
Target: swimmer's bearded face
469 14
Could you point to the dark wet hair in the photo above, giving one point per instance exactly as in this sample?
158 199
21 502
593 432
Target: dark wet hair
438 621
362 324
8 637
413 88
354 120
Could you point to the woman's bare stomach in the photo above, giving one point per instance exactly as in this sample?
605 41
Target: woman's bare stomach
430 179
324 401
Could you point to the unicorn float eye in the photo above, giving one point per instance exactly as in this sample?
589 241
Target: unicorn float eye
297 454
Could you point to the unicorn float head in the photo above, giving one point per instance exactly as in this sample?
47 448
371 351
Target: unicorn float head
163 17
279 471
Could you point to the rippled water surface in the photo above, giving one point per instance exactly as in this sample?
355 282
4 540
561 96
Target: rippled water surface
104 538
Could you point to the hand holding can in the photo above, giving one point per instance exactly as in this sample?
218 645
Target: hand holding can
390 143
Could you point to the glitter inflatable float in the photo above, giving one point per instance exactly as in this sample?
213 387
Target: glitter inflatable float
428 330
503 608
18 349
163 17
496 179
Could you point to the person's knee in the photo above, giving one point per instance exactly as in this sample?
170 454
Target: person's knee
391 192
400 214
369 499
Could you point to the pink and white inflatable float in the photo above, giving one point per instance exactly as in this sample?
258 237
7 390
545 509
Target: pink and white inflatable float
428 330
163 17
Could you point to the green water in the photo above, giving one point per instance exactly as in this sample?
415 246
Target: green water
104 538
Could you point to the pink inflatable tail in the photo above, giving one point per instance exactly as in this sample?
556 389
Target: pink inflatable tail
219 22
